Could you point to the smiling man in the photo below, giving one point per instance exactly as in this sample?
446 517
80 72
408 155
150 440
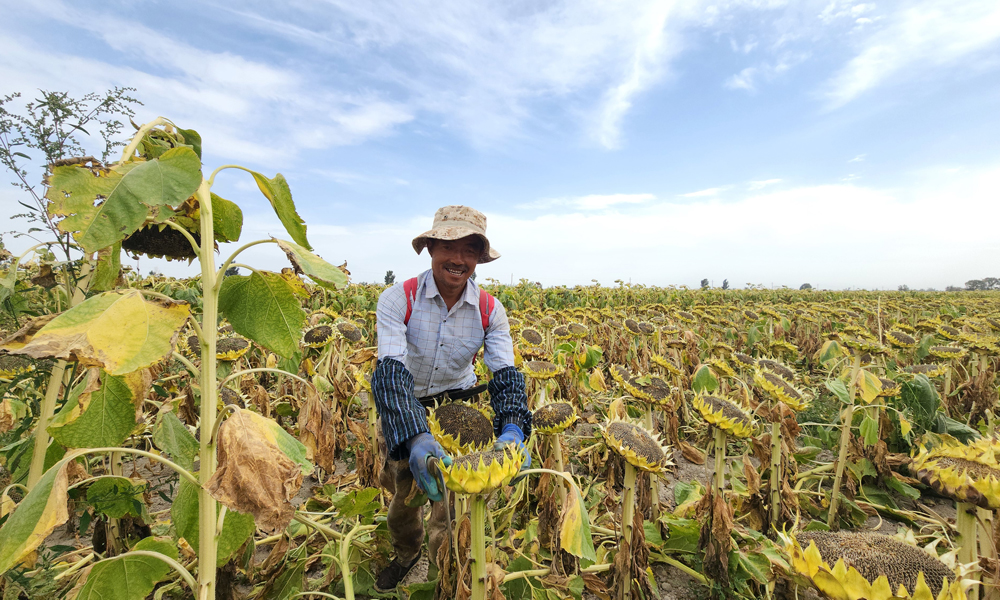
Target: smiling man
430 329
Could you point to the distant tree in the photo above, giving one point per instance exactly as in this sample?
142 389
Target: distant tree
975 285
806 286
952 288
704 284
904 288
992 283
725 284
390 277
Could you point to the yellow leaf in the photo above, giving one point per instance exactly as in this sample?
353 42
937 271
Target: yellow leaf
868 385
904 426
574 533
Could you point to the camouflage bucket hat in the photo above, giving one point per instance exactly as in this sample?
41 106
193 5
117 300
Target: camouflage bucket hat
455 223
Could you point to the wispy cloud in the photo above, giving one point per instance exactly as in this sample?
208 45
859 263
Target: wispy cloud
917 37
590 202
750 78
715 191
761 184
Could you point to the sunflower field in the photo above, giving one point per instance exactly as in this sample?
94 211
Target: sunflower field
214 437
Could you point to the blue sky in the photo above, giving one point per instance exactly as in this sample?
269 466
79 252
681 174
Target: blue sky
839 143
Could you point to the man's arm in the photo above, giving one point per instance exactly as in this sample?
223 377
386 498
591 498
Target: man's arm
507 390
392 384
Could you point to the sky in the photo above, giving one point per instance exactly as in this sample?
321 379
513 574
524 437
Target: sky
658 142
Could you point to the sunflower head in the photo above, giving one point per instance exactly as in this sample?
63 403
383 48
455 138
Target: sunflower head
540 369
548 321
620 374
578 330
685 316
947 352
862 345
460 428
890 389
12 365
553 417
667 364
318 336
646 328
231 348
724 414
852 565
777 368
189 345
779 389
230 396
721 367
966 473
636 444
750 315
900 339
349 331
481 472
744 360
632 326
927 370
651 389
531 337
948 332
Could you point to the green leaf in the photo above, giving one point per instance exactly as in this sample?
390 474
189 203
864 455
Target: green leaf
839 389
902 488
704 380
356 502
191 138
172 436
287 584
128 576
922 399
236 528
8 282
682 534
263 307
280 196
923 349
574 534
99 418
116 497
869 430
38 514
124 195
119 331
831 351
313 266
757 566
109 266
227 220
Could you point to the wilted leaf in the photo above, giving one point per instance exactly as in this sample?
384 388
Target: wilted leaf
171 436
227 220
22 336
129 576
277 192
313 266
255 473
119 331
316 431
99 413
704 380
868 385
102 207
38 514
236 527
831 351
574 533
108 269
262 306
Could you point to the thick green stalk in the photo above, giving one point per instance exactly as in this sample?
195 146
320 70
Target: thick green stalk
628 515
654 482
556 444
41 428
775 473
720 460
968 552
845 437
207 542
478 516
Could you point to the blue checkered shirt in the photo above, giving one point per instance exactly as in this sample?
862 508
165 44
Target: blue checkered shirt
434 353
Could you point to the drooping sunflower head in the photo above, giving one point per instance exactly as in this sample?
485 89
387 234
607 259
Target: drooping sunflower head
948 332
230 396
548 321
318 336
578 330
189 345
12 365
744 360
851 565
967 473
750 315
947 352
632 326
540 369
161 241
651 388
481 472
928 370
780 390
620 374
531 337
460 428
349 331
553 417
862 344
776 367
721 367
901 340
724 414
890 389
647 328
231 348
641 448
667 364
685 316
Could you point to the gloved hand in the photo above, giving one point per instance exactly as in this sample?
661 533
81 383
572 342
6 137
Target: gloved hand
422 447
512 434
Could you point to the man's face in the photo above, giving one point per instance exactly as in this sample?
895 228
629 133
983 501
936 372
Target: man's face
454 261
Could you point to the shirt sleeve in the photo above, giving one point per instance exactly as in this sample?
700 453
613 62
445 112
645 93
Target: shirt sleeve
389 315
498 348
509 400
402 415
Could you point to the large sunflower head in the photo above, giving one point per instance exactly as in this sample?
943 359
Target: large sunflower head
11 366
901 340
540 369
780 390
948 332
531 337
947 352
667 364
318 336
744 360
776 367
651 388
721 367
930 370
349 331
231 348
685 316
553 417
562 333
862 345
890 389
460 428
632 326
641 448
966 473
855 565
578 330
481 472
620 374
724 414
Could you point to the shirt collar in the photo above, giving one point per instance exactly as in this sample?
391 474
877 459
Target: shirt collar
471 289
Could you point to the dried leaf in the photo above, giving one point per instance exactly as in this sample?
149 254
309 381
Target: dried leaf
316 430
256 474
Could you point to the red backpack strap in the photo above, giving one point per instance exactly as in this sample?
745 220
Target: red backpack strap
410 289
486 304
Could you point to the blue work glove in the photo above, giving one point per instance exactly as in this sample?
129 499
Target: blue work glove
422 447
512 434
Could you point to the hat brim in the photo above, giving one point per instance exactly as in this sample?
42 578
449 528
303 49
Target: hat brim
456 233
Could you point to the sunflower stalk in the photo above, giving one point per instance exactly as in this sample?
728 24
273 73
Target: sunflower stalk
775 472
478 516
845 437
654 483
965 522
719 480
628 514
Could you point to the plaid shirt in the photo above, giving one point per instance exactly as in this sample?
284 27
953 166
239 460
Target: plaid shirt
434 353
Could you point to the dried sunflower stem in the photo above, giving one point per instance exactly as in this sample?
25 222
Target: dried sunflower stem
720 460
845 436
654 483
965 522
775 472
628 514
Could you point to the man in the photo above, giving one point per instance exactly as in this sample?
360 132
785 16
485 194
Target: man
428 337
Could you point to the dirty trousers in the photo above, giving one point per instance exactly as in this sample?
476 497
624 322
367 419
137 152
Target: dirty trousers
406 524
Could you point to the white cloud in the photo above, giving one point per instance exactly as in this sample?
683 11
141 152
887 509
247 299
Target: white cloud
761 184
715 191
858 158
589 202
748 78
918 37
